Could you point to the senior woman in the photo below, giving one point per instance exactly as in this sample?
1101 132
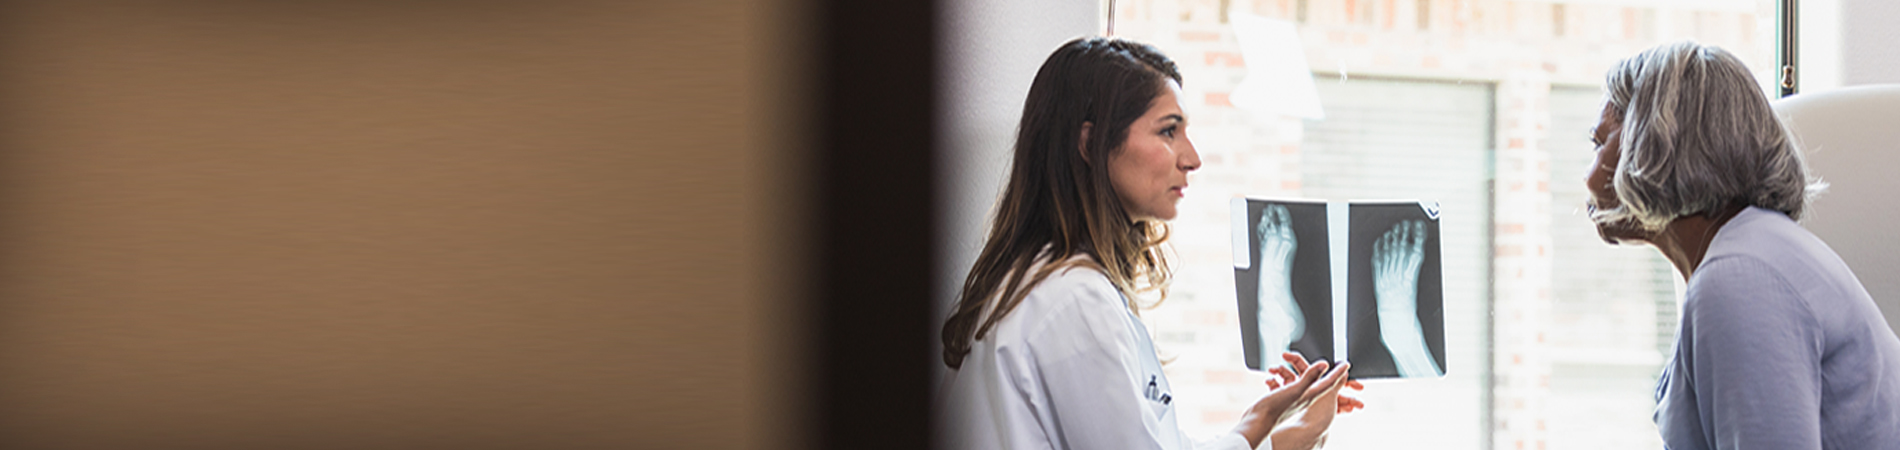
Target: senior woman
1779 346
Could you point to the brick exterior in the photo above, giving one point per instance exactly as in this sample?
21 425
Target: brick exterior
1520 48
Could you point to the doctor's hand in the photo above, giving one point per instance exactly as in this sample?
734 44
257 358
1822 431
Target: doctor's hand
1290 393
1346 403
1307 429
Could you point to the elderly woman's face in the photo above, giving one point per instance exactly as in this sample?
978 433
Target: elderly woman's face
1608 137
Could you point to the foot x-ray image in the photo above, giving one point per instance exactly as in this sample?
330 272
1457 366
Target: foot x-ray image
1359 281
1285 286
1395 299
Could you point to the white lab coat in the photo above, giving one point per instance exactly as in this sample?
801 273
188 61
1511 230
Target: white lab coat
1070 368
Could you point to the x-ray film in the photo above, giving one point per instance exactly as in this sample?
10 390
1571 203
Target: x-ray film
1358 281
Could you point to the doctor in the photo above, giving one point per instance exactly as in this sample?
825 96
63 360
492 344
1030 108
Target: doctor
1044 344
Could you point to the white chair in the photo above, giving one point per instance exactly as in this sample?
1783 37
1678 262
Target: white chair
1852 140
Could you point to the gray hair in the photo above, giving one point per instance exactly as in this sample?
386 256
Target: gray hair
1698 134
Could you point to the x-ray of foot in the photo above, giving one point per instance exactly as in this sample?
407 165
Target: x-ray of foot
1396 258
1281 321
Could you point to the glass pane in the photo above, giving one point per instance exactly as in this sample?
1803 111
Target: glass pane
1554 339
1391 139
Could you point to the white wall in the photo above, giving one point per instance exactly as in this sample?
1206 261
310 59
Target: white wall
991 50
1868 39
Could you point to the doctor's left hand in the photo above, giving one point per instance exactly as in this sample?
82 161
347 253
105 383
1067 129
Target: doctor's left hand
1307 429
1346 403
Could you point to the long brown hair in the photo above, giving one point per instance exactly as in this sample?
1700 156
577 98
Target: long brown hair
1061 200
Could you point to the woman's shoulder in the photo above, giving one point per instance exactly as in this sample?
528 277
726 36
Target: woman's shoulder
1761 245
1768 236
1074 288
1078 276
1743 293
1075 311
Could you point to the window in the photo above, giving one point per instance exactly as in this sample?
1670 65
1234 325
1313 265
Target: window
1554 338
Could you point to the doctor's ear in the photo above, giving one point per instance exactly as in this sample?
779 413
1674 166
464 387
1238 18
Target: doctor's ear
1082 145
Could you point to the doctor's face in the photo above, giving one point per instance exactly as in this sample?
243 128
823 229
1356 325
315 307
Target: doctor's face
1149 172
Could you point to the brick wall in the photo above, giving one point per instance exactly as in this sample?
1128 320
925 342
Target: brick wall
1521 264
1521 48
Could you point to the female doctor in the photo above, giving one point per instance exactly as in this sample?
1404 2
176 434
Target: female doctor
1044 344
